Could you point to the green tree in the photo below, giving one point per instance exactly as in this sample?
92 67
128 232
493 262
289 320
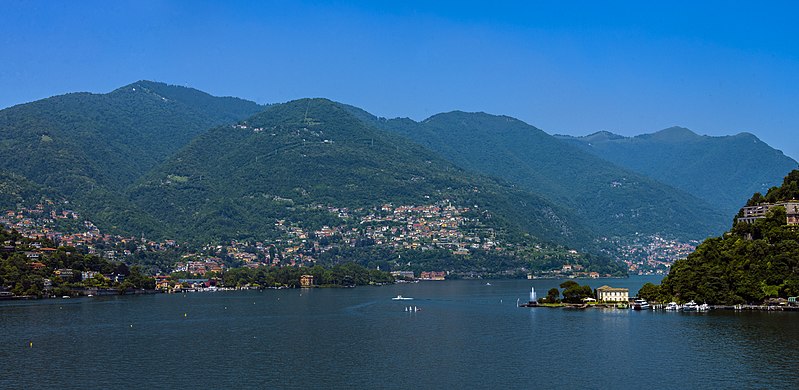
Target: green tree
574 293
553 295
650 292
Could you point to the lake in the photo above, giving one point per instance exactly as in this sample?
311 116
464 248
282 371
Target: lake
465 335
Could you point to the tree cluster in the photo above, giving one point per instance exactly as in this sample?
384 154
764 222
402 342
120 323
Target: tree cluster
22 276
749 264
344 275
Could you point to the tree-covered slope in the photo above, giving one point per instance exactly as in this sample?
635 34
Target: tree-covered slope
610 199
17 190
294 159
87 148
719 170
750 263
73 142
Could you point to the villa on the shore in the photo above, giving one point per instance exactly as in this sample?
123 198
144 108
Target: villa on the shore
612 294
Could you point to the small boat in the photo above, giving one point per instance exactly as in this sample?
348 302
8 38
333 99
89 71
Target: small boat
488 284
690 306
66 297
640 304
672 306
704 307
401 298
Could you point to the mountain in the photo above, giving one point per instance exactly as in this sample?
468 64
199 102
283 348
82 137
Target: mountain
720 170
70 141
295 160
89 147
172 162
611 200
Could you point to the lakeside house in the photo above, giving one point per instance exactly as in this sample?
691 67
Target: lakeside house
612 294
306 281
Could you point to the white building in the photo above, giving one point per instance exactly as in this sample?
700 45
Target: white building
612 294
753 213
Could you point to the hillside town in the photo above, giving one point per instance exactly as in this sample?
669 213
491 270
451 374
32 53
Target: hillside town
438 225
648 255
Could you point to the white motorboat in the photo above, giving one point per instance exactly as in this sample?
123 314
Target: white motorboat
672 306
401 298
640 304
690 306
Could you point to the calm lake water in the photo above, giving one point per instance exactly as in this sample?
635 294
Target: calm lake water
466 335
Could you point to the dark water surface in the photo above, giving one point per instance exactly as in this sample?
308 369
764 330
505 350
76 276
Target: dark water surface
466 335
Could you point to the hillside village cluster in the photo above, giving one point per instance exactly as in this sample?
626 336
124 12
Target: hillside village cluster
424 227
649 255
440 225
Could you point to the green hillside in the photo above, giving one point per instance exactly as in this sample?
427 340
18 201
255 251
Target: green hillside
17 190
609 199
89 147
720 170
294 159
749 264
74 141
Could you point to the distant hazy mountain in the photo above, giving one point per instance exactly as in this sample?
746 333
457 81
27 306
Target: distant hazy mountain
612 200
283 163
723 171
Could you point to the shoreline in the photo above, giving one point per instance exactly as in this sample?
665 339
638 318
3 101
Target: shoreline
736 308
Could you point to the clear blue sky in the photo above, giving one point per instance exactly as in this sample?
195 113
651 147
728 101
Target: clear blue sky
566 67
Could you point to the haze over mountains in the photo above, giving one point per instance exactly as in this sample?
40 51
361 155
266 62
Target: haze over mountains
722 170
608 198
167 161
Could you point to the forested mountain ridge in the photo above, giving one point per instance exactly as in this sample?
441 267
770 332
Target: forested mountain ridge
720 170
76 140
608 198
293 157
476 190
88 148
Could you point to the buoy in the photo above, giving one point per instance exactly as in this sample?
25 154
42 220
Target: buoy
185 314
31 344
131 325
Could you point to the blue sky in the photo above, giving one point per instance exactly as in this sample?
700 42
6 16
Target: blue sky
634 67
